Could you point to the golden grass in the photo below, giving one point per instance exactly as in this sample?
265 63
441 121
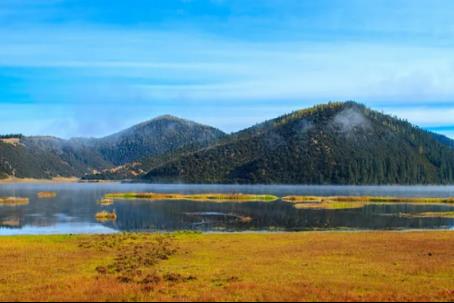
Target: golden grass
210 197
440 214
105 201
106 216
46 195
311 266
12 141
366 199
329 205
13 201
56 180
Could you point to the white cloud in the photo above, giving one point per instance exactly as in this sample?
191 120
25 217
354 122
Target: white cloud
111 65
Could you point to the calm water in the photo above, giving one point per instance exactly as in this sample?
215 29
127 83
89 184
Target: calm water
74 209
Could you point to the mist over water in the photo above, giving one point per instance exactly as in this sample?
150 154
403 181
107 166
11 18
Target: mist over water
74 209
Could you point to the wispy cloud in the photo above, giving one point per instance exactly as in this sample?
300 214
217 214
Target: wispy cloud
187 57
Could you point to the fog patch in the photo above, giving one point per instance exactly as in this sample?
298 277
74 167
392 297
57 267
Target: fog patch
351 119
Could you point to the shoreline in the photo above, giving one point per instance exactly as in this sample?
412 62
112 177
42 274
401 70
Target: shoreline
57 180
229 233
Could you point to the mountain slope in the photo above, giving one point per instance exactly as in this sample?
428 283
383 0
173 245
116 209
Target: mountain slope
153 138
337 143
47 157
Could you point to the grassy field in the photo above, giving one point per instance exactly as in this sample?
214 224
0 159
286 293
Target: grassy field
351 266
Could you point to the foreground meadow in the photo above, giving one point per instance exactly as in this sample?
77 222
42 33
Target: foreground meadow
351 266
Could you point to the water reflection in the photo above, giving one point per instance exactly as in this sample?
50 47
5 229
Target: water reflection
74 209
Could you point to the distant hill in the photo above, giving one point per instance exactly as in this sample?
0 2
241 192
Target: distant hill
47 157
336 143
153 138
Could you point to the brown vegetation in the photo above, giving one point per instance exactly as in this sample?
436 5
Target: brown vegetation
46 194
13 201
313 266
106 216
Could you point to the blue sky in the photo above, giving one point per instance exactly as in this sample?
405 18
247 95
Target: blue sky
91 67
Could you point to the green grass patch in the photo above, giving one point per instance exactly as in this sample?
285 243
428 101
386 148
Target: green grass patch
212 197
329 205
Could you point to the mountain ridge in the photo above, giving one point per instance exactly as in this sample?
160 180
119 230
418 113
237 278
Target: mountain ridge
333 143
48 156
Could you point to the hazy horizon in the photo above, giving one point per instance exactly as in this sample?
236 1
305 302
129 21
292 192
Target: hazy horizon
114 131
80 68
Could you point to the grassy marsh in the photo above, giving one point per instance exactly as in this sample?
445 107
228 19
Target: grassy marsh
210 197
351 202
13 201
313 266
367 199
329 205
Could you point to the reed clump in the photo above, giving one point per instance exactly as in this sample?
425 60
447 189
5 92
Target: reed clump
106 216
13 201
105 201
46 194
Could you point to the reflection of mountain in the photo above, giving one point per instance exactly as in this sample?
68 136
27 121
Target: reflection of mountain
172 215
10 222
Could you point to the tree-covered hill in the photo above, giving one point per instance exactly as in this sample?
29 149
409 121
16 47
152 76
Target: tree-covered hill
47 157
154 138
337 143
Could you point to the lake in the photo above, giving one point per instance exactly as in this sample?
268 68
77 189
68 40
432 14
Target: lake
75 206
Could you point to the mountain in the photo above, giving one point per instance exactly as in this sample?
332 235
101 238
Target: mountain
336 143
134 150
444 140
47 157
153 138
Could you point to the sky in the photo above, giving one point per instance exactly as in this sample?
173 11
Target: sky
72 68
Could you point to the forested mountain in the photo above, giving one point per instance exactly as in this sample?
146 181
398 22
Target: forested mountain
153 138
337 143
47 157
